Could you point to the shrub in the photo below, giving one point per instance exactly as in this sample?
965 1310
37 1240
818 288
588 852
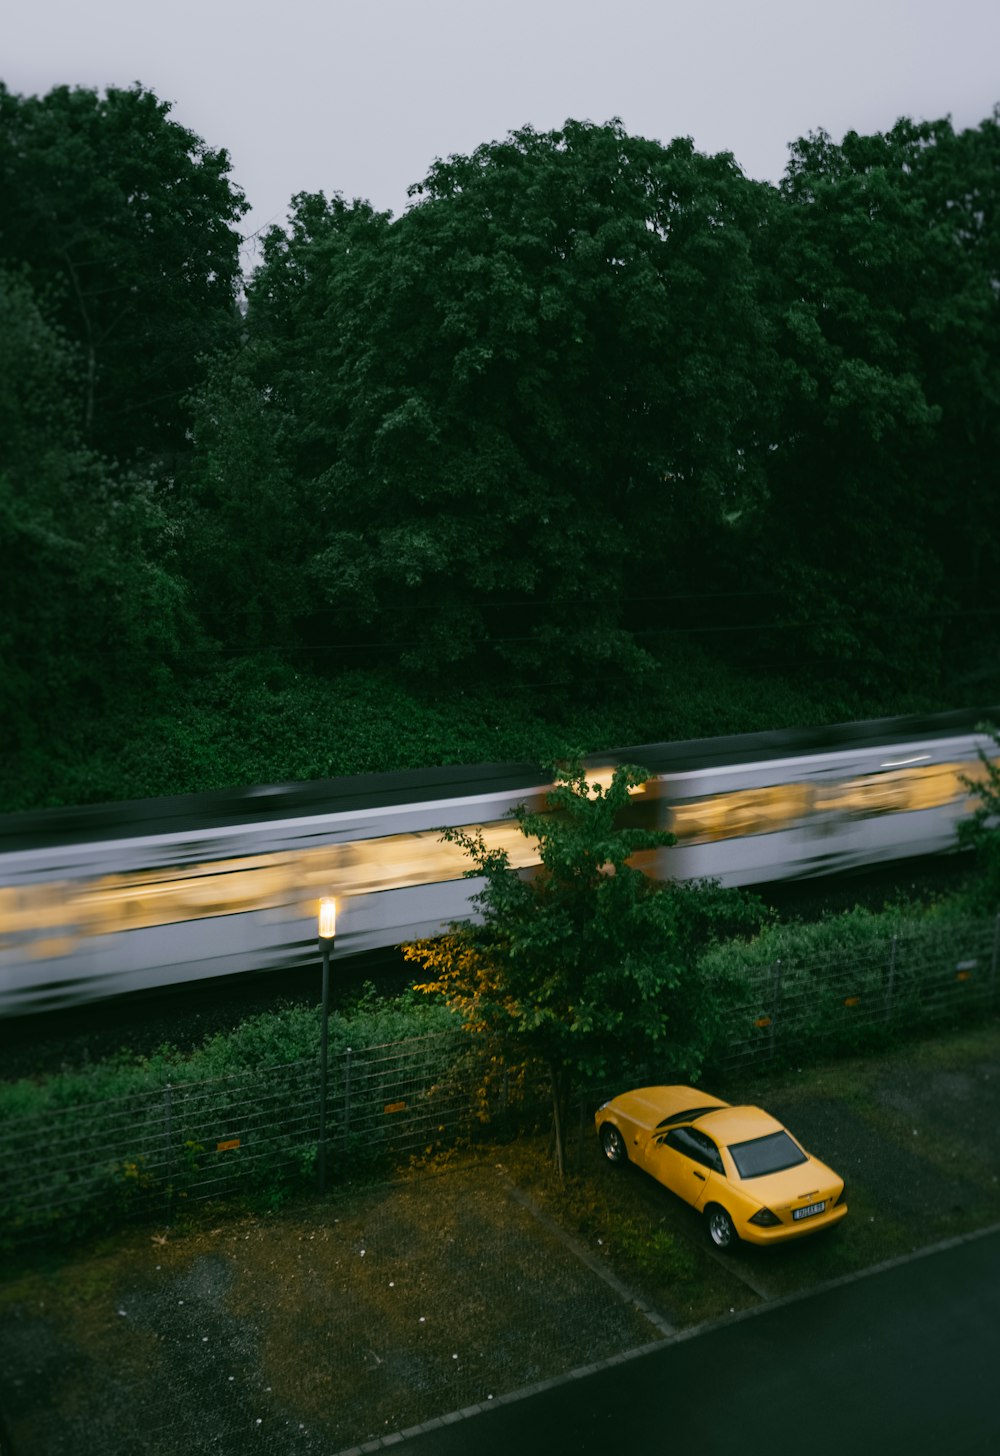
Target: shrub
846 983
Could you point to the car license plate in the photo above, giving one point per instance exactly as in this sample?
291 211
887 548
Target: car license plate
809 1210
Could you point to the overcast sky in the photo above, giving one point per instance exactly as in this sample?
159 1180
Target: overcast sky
360 97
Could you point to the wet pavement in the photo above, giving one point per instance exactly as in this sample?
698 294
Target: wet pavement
906 1359
304 1332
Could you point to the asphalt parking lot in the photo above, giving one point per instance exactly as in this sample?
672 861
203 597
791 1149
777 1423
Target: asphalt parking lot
872 1363
334 1324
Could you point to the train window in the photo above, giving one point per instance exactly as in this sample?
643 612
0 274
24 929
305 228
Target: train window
747 811
902 791
782 806
401 860
939 783
864 796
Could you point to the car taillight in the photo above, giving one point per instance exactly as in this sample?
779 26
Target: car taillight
764 1218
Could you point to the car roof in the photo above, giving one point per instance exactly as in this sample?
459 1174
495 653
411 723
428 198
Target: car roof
648 1106
738 1124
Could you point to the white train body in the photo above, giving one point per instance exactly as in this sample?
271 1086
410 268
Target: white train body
97 902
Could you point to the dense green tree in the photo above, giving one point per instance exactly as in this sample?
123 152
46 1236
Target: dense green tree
956 325
88 611
244 525
126 222
586 391
265 424
541 380
588 965
886 312
589 388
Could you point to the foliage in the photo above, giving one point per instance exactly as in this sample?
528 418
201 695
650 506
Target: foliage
982 831
95 1184
272 1039
589 964
244 528
88 611
610 442
493 394
484 403
125 222
654 1253
848 982
883 252
261 719
122 1163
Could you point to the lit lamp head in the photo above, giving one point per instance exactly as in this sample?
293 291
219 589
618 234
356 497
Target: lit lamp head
327 919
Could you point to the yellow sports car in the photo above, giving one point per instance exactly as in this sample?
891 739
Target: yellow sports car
738 1165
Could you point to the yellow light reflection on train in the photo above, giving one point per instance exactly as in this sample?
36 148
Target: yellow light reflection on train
896 791
747 811
283 880
783 806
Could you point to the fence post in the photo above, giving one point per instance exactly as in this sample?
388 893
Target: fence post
890 979
775 998
347 1093
168 1123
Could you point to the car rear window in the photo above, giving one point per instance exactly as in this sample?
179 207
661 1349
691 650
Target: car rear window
764 1155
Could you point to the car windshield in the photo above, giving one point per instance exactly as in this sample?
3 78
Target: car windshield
765 1155
688 1116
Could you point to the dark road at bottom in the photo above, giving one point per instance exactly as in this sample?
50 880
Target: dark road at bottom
900 1363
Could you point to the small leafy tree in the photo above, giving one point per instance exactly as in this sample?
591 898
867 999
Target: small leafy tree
588 964
982 831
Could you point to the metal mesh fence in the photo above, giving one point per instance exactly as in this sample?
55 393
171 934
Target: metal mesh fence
929 975
68 1169
152 1150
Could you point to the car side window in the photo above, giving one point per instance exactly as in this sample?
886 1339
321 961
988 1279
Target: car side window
713 1158
695 1145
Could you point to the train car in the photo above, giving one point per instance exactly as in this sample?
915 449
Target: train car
810 810
115 898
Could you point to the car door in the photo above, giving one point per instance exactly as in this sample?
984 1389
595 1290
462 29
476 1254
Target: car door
684 1160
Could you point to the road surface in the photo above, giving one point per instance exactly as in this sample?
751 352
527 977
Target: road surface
904 1360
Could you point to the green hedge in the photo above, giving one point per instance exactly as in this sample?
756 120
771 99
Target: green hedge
850 982
140 1135
261 720
272 1039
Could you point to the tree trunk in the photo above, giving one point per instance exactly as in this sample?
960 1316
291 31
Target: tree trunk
558 1081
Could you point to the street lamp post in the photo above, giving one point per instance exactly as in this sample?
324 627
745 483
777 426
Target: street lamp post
327 936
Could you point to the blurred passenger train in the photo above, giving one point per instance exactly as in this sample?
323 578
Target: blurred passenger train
121 897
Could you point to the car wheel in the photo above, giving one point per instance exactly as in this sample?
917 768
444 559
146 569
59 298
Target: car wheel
613 1144
721 1229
